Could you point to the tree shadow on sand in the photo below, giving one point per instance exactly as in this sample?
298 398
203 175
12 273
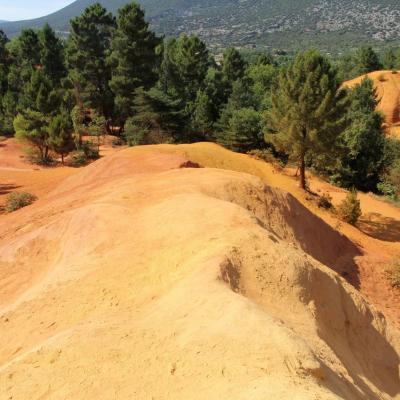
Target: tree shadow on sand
313 235
380 227
351 333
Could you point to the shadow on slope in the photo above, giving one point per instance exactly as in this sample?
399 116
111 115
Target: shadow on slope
380 227
282 214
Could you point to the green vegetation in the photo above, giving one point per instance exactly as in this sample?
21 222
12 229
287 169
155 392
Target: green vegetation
361 161
87 52
16 200
331 26
307 110
350 210
133 59
114 74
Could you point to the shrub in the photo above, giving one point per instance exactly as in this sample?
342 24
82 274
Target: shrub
16 200
87 152
134 135
90 150
394 274
118 141
264 155
78 159
325 201
388 189
350 210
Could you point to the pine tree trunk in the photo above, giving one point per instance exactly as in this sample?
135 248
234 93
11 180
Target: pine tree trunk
302 171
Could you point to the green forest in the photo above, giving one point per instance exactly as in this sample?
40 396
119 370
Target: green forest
113 75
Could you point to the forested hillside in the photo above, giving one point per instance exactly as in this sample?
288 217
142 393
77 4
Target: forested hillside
115 75
328 25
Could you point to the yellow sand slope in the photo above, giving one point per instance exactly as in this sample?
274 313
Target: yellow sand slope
137 279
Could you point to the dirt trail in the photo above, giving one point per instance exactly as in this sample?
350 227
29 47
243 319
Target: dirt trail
205 280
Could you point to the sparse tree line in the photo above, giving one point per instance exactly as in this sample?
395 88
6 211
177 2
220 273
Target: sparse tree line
113 74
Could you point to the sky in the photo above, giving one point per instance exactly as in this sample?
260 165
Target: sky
14 10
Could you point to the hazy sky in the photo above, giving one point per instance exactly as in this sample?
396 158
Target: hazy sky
12 10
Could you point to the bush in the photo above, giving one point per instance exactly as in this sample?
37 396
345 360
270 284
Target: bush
325 201
388 189
16 200
394 274
264 155
134 135
90 150
350 210
118 141
78 159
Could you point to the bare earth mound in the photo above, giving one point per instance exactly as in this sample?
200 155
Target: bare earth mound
138 279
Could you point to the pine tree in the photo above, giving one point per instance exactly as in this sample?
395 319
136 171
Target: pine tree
216 90
266 59
307 109
350 208
157 118
4 64
242 131
4 68
24 52
183 72
191 60
263 78
97 128
233 65
52 55
367 61
40 94
390 60
61 135
363 141
202 117
168 72
87 53
32 127
27 48
134 58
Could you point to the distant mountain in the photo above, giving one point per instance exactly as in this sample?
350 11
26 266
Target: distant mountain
60 19
285 24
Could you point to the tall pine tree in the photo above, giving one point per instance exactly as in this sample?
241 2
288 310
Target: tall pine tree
134 58
307 110
4 68
363 141
52 55
367 60
87 54
233 65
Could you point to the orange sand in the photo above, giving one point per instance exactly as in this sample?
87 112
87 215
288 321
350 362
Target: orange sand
134 278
